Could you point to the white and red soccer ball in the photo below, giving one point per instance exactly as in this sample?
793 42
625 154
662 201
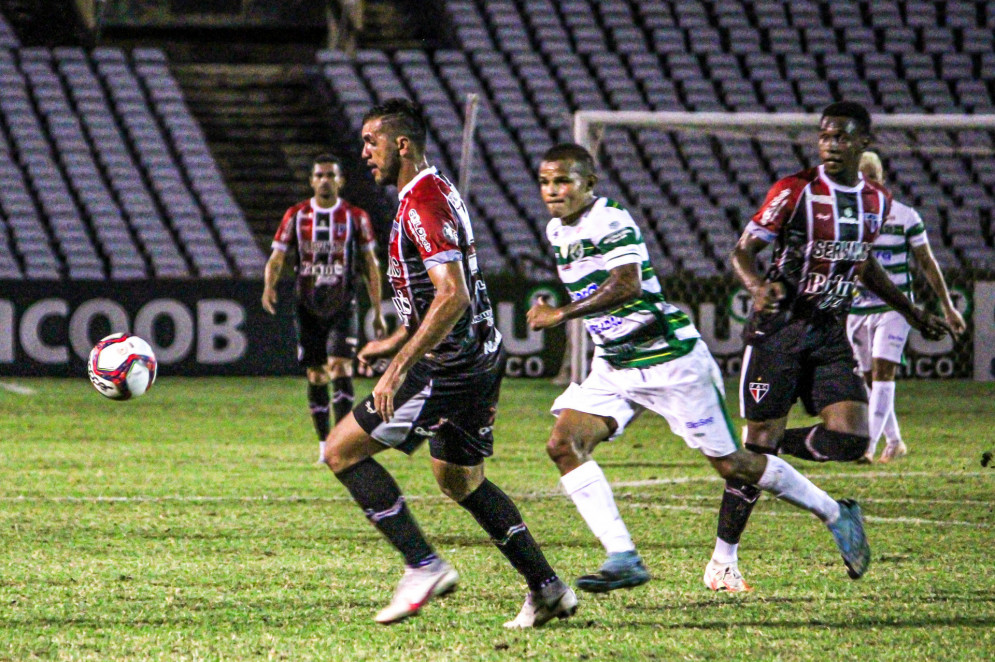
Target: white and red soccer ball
121 366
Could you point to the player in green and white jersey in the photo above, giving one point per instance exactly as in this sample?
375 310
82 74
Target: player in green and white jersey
878 333
648 355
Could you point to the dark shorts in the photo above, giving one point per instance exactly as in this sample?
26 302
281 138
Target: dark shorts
454 414
799 360
320 337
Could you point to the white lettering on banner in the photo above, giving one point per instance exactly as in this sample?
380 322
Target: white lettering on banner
530 344
83 316
219 339
6 332
984 331
30 331
183 327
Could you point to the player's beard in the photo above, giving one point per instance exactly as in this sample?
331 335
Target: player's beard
388 174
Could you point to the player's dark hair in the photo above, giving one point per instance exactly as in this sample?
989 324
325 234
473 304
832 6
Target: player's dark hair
571 152
402 117
326 158
851 109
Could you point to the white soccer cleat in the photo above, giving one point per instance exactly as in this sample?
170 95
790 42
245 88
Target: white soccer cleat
725 577
418 586
554 601
893 452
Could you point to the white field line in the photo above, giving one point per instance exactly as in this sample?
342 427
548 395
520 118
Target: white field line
814 475
17 388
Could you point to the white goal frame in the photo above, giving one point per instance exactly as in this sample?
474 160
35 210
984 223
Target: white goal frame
589 125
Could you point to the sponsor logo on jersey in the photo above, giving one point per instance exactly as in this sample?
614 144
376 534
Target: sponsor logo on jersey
607 324
616 237
450 233
491 346
403 308
316 246
836 251
370 408
394 268
833 291
484 316
584 293
774 208
823 217
428 434
416 227
694 425
758 390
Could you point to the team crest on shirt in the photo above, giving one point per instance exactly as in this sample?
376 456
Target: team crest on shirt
873 220
576 250
758 390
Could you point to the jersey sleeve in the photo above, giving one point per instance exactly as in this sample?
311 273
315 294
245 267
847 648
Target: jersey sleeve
285 234
432 227
780 204
618 238
364 231
915 230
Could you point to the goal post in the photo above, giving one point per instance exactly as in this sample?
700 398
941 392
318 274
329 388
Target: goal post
905 131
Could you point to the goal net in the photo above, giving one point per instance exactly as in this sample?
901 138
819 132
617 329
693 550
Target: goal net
694 179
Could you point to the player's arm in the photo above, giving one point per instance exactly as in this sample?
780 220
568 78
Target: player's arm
452 297
876 279
271 275
743 259
925 259
623 285
373 290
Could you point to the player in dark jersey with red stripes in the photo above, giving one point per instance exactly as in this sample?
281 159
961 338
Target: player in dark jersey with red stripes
328 234
441 385
822 222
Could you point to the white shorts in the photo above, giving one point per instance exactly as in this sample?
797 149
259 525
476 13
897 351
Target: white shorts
688 392
877 336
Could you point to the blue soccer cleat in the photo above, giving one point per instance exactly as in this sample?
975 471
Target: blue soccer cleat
848 531
621 570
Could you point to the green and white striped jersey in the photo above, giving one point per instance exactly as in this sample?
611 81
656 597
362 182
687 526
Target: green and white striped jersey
642 332
902 230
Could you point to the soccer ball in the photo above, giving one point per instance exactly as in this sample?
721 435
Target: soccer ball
121 366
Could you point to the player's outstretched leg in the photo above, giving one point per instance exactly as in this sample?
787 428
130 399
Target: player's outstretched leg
348 454
573 438
722 572
848 531
497 514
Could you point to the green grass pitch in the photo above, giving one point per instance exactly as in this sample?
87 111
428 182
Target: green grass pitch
193 524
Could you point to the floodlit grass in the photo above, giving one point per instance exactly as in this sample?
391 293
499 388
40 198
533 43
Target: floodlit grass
193 524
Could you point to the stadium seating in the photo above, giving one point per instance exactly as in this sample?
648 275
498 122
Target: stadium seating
534 62
106 174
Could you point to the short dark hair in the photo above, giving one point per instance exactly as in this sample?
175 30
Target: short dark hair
571 152
403 117
851 109
325 157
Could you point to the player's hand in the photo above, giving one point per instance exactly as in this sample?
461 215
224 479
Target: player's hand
269 300
373 350
930 326
767 298
954 321
542 315
383 392
379 325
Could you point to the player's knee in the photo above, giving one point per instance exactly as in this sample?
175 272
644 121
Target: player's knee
562 447
337 460
318 376
339 367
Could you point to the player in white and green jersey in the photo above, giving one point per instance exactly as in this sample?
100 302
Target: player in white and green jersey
648 355
877 333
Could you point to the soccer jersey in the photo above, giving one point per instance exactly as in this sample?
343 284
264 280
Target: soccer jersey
641 332
902 231
821 232
326 241
432 227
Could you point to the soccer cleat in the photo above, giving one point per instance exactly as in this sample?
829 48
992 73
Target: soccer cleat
867 458
556 600
848 531
893 452
725 577
418 586
621 570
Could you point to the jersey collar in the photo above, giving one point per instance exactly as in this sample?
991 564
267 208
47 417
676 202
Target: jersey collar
316 207
431 170
839 187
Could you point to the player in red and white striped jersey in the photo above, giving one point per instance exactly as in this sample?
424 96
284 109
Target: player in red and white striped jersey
328 234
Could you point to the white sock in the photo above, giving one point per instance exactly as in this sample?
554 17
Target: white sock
783 481
592 495
892 434
321 451
879 409
725 552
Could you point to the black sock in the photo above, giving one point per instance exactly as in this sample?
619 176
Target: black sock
380 498
342 397
497 515
317 399
818 444
738 500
